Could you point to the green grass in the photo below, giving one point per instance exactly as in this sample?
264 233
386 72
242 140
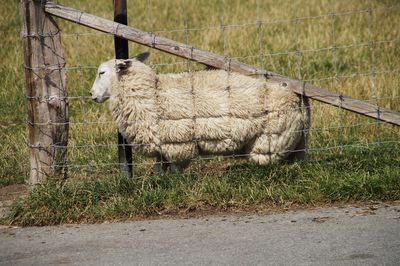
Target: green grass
363 176
281 44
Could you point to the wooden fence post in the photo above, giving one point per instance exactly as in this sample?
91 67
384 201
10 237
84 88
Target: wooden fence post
46 93
122 52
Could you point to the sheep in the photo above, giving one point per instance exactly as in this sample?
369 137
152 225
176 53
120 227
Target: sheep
177 117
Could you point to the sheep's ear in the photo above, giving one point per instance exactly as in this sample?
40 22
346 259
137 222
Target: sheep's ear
143 56
121 66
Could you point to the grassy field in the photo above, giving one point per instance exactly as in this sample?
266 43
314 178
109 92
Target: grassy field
354 51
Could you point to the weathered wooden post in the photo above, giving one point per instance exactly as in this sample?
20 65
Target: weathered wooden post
122 52
46 93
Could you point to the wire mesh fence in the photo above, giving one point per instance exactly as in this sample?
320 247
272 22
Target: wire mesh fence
349 47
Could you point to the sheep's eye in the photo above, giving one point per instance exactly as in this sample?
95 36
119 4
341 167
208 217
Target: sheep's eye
102 72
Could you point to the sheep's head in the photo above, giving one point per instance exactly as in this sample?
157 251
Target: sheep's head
107 74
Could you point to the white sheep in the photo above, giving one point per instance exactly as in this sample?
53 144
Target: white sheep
177 117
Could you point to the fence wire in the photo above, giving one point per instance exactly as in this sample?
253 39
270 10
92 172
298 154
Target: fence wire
93 144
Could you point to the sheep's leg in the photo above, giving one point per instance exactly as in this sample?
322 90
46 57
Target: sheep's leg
177 168
300 152
161 164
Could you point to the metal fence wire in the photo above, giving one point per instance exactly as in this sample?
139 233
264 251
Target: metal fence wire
348 47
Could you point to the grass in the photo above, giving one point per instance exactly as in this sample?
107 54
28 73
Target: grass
300 48
364 176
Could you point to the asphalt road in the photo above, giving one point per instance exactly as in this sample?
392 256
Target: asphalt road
335 236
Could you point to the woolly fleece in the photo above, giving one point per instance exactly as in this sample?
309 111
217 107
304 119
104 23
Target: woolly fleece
182 116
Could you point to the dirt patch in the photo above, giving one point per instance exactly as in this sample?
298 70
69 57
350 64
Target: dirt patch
9 194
